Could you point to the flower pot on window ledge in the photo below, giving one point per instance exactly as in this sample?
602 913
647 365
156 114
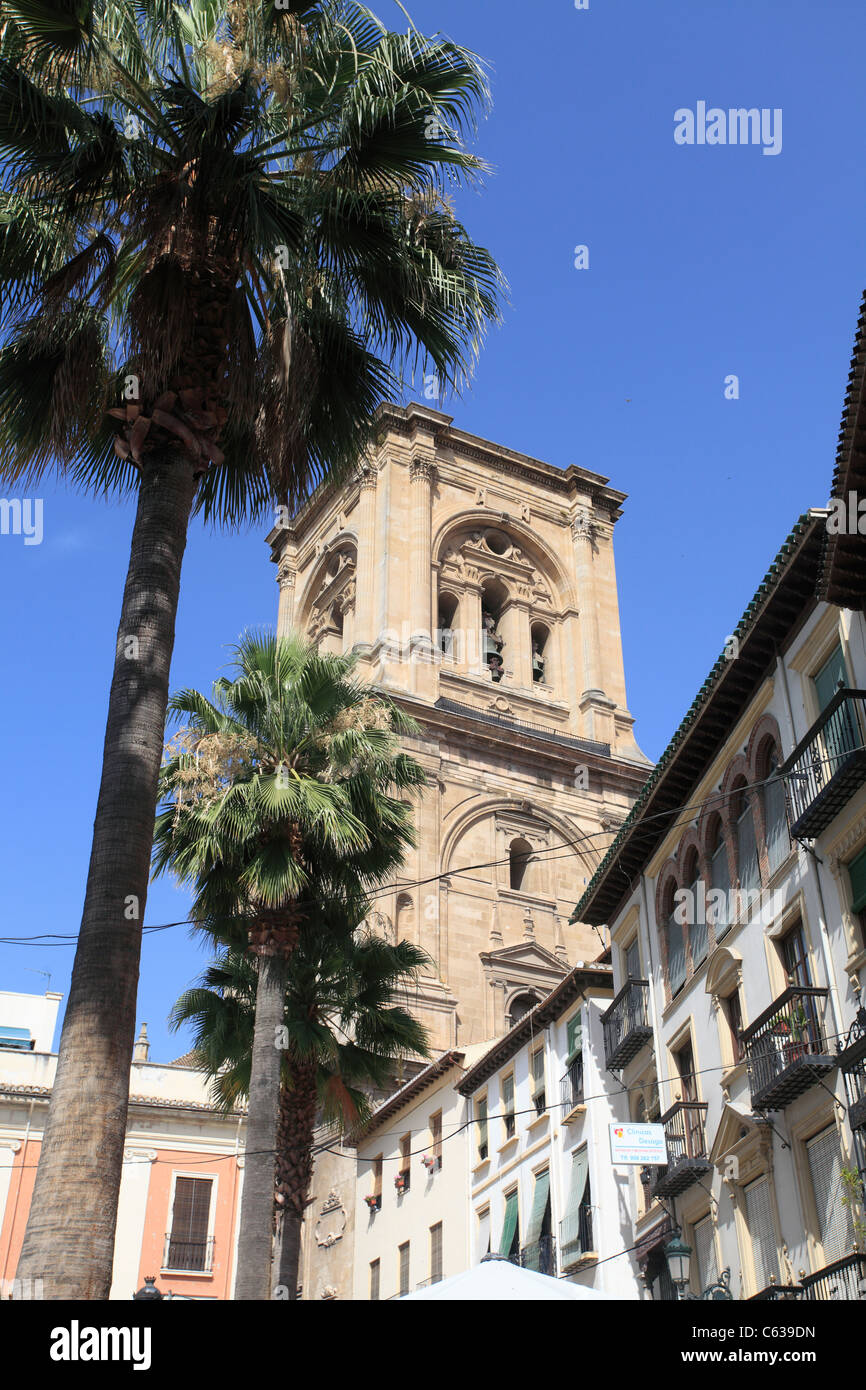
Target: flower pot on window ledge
429 1162
400 1183
373 1203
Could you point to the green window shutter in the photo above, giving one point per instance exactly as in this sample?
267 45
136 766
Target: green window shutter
571 1222
857 875
509 1225
540 1198
831 676
575 1036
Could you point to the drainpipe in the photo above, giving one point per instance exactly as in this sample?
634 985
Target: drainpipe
826 953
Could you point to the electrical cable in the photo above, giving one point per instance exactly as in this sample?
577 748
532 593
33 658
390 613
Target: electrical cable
555 851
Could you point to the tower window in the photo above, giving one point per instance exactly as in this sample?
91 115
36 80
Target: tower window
540 640
519 855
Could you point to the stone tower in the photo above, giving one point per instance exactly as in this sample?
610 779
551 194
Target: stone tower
477 587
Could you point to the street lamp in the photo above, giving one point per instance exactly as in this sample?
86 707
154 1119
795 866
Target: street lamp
678 1256
149 1291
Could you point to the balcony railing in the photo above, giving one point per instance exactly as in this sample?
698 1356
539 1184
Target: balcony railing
839 1281
540 1256
190 1256
575 1236
571 1088
686 1141
786 1049
852 1064
828 765
626 1024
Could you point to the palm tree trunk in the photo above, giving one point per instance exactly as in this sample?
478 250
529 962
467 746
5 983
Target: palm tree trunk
255 1235
69 1240
297 1123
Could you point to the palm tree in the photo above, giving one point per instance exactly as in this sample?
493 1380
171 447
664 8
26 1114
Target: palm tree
344 1030
223 231
282 797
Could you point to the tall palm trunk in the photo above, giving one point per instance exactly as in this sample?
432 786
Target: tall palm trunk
69 1241
255 1234
297 1123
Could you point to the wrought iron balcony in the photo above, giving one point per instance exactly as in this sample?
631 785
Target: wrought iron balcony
189 1256
827 766
571 1088
575 1236
852 1064
685 1137
540 1256
839 1281
626 1024
786 1049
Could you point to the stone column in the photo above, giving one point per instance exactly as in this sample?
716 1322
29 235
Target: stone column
519 659
470 624
583 537
422 473
442 946
286 576
595 707
363 633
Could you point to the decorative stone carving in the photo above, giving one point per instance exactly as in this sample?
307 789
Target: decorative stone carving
139 1155
286 574
332 1220
422 470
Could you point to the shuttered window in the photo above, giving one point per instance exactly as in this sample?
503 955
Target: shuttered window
857 875
188 1241
707 1271
747 850
676 955
403 1266
436 1134
574 1036
576 1226
508 1105
538 1096
720 881
762 1233
540 1210
834 1219
775 818
481 1113
374 1280
436 1253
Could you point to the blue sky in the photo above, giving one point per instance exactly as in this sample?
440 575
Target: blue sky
703 262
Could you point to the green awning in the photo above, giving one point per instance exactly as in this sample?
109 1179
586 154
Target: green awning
857 875
571 1221
540 1198
509 1225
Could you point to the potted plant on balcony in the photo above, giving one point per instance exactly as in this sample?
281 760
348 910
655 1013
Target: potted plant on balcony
429 1162
400 1183
372 1202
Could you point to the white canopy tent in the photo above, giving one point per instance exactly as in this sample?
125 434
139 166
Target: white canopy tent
497 1280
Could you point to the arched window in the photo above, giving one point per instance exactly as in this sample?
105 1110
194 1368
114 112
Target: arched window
748 870
775 816
494 597
448 606
520 1007
720 879
519 855
405 923
540 636
697 923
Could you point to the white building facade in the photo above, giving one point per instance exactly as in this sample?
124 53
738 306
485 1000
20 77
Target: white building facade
739 950
543 1190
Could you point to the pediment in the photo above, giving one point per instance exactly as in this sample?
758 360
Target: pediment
528 955
729 1138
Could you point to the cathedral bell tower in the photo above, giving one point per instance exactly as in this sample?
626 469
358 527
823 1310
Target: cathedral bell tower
477 587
